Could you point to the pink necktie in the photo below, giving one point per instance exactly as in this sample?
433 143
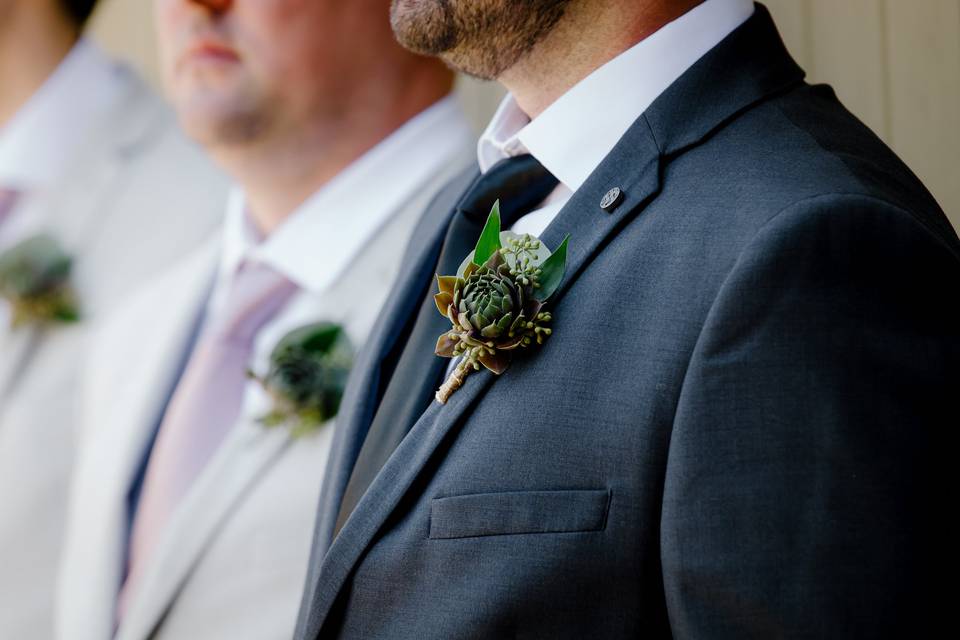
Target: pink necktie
203 408
8 198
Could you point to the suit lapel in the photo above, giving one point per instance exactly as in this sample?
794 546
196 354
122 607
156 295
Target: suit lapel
748 66
589 227
233 471
148 341
402 305
359 399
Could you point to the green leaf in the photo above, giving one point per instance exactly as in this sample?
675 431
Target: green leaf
551 272
67 314
319 337
489 241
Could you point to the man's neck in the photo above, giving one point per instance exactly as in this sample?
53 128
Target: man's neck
277 176
588 36
32 46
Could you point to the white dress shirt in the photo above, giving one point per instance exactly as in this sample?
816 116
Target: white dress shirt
574 134
319 241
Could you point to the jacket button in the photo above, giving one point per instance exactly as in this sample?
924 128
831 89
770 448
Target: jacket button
612 199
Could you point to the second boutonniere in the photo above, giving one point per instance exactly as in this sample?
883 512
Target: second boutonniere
496 301
35 280
306 377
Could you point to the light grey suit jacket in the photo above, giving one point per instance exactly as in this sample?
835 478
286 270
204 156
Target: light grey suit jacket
233 561
137 197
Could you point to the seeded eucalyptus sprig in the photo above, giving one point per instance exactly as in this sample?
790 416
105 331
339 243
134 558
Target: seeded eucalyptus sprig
35 280
495 302
306 377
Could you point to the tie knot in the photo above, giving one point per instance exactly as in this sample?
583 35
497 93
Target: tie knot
254 295
519 183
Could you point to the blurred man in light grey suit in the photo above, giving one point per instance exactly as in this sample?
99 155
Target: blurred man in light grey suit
190 517
93 161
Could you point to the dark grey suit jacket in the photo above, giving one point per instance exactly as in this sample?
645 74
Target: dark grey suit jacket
728 434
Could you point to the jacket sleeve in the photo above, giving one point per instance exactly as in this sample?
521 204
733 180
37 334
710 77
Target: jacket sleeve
800 471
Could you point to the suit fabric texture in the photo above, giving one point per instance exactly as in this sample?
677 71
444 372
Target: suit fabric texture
137 196
728 433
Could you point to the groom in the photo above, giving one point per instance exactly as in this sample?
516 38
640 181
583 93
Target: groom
754 348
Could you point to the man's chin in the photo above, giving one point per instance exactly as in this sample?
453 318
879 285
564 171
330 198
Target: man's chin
216 121
426 27
482 38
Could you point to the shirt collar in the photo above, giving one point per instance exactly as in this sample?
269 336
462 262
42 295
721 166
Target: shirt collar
38 143
574 134
316 243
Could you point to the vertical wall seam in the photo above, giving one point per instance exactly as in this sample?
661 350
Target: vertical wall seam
886 73
806 26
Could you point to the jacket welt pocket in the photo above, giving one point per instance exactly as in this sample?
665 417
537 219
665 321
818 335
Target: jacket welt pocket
519 512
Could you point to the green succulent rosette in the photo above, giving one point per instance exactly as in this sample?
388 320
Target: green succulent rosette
35 280
496 301
306 377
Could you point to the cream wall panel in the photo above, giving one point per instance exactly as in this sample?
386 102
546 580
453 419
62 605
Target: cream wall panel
479 99
125 28
793 21
924 69
848 52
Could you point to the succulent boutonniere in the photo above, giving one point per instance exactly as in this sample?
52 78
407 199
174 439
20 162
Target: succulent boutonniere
495 301
35 280
306 377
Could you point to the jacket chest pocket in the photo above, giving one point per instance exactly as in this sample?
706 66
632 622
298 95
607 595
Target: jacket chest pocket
519 512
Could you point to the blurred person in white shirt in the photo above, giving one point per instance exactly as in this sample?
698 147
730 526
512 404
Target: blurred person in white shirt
94 171
191 518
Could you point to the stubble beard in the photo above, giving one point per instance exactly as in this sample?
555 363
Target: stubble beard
483 38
